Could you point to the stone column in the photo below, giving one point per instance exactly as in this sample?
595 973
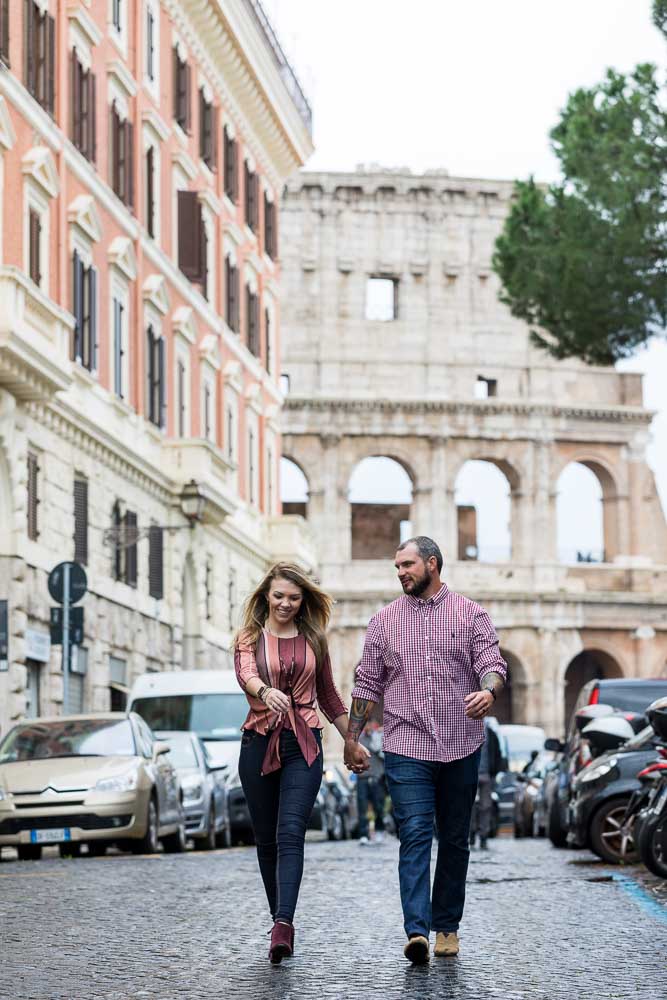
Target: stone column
544 521
439 510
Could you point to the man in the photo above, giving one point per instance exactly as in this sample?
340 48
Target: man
434 656
490 763
371 785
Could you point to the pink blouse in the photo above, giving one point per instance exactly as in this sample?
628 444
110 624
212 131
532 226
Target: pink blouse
290 666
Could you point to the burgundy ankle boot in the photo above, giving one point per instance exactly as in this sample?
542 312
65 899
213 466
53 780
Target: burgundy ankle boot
282 942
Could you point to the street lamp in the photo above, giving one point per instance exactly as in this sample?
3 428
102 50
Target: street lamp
193 502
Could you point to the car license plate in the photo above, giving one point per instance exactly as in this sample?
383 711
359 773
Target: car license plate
50 836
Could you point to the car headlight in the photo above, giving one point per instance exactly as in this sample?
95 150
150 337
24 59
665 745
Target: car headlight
192 791
120 783
598 771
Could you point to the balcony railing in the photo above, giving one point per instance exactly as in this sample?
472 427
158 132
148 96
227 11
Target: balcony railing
286 72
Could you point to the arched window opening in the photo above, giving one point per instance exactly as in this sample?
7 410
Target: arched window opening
510 705
589 665
580 515
380 496
294 490
483 508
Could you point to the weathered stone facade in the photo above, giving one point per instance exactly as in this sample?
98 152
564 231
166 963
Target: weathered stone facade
407 389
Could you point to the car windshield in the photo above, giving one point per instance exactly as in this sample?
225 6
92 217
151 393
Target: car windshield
210 716
521 744
182 752
68 738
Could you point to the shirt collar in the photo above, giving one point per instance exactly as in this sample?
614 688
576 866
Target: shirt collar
434 601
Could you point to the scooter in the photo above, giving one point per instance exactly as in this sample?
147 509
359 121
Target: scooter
651 821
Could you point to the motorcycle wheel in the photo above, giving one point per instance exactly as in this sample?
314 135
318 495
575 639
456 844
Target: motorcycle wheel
652 844
557 835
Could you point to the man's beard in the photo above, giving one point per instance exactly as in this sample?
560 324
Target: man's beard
419 586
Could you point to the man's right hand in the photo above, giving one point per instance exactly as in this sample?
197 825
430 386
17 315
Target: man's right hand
355 757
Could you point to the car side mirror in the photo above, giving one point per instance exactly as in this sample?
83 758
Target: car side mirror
160 747
554 745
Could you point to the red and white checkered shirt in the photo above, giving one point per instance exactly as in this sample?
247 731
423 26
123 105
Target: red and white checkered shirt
424 657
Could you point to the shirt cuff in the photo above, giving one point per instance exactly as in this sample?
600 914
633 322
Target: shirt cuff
366 693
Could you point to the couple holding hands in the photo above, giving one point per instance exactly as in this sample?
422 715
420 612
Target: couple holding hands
432 658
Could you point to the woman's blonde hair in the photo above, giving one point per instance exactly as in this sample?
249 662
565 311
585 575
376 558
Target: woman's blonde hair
312 618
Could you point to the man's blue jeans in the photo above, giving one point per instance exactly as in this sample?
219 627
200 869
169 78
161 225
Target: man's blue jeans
423 791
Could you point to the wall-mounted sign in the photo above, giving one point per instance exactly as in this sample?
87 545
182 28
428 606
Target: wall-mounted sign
4 635
37 645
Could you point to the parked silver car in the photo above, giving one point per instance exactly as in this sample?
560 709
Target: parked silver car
205 794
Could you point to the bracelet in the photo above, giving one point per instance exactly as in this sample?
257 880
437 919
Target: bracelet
491 692
262 691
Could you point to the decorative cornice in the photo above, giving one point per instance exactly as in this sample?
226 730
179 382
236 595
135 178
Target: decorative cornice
484 408
118 71
83 212
121 254
184 323
38 164
155 291
153 121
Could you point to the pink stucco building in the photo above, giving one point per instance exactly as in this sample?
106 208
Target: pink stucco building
143 150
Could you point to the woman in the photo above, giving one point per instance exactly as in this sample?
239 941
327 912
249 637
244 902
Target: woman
282 663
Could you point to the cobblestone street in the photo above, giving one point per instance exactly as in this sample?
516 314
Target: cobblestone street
539 923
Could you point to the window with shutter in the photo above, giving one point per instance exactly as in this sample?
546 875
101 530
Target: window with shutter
130 521
4 31
122 157
34 248
230 166
182 91
118 347
251 466
77 306
150 191
155 372
252 320
232 295
208 117
180 389
156 562
207 412
81 521
209 588
267 341
251 197
118 551
270 236
33 496
191 237
39 43
150 45
116 14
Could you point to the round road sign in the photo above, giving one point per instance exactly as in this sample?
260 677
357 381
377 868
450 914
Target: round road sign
78 583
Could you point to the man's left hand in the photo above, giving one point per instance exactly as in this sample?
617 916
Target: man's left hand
478 704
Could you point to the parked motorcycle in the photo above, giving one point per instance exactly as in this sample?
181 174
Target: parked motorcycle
651 821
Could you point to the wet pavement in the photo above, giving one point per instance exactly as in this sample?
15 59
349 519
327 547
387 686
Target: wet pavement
538 923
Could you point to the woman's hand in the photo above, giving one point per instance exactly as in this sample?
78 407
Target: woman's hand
277 701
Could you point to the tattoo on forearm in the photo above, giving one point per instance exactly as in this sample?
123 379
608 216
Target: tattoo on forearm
495 680
359 712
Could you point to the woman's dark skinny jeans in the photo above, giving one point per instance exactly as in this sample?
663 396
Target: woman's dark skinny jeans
280 805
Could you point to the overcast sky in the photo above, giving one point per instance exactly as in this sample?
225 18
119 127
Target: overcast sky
473 86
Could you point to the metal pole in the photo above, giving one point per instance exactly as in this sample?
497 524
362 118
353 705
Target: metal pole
66 597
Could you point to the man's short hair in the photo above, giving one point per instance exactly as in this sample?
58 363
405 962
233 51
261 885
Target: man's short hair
426 547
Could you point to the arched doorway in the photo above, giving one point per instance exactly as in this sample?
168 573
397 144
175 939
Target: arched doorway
589 665
484 509
580 515
510 706
380 496
294 489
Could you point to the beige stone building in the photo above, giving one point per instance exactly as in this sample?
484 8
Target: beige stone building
395 344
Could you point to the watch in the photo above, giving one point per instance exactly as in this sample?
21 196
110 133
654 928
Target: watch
491 692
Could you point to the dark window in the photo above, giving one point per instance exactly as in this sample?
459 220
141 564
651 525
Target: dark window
84 348
208 131
232 295
40 54
155 372
251 467
207 411
485 387
150 45
150 191
122 157
180 389
131 529
231 166
231 449
270 232
116 14
182 86
251 197
4 31
252 322
267 340
34 242
82 108
118 347
81 521
156 562
192 243
33 496
209 588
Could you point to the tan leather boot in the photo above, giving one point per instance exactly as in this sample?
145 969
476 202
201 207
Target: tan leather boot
446 945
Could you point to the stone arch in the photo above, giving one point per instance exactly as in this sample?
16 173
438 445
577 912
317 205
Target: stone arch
592 663
511 705
191 621
485 489
606 528
294 487
380 494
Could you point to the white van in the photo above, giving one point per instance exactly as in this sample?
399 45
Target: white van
207 702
